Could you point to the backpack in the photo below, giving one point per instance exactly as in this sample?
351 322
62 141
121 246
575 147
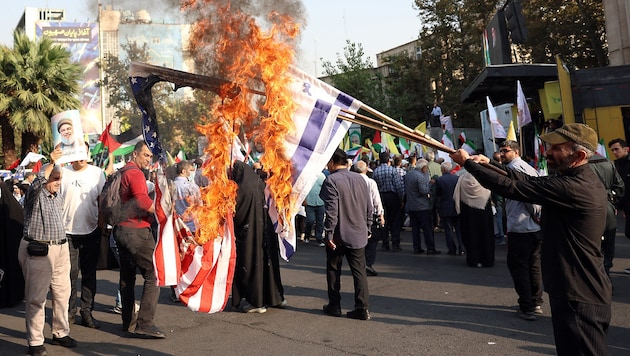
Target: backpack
109 202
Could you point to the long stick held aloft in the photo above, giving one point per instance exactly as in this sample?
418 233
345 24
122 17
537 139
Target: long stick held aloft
395 128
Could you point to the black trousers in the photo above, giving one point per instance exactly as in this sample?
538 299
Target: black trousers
84 252
394 213
523 260
135 247
421 220
356 261
370 249
608 249
579 328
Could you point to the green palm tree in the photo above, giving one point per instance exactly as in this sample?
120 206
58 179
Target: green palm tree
37 80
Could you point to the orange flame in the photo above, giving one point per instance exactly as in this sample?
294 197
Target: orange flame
230 44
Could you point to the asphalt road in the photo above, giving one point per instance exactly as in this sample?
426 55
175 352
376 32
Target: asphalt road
420 305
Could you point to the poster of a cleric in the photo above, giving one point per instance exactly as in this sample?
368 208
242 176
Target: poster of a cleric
68 135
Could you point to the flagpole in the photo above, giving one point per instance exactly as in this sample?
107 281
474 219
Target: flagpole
403 131
390 124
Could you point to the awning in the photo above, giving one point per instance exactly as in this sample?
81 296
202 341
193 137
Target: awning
499 82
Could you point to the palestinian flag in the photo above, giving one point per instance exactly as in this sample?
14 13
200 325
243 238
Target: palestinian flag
377 146
105 141
127 147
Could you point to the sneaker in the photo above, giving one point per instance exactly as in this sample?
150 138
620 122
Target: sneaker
37 350
65 341
306 240
369 270
117 309
433 252
526 315
626 271
245 307
538 310
149 331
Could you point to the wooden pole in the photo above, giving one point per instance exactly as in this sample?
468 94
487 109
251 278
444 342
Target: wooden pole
400 130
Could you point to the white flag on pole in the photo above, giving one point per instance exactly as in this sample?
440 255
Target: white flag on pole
497 129
524 116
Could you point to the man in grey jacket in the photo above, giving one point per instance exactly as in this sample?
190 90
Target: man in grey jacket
417 191
347 228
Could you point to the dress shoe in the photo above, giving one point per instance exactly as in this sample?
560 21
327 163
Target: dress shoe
359 314
37 350
370 271
396 248
452 253
88 320
65 341
150 331
433 252
385 248
417 252
332 310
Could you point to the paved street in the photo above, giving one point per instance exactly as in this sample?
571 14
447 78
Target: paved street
420 305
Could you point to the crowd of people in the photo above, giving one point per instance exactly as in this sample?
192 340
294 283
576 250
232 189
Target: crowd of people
550 223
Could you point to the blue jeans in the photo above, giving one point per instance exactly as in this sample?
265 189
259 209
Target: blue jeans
315 216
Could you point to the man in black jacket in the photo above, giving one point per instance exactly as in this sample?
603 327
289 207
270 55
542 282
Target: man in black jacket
573 220
619 148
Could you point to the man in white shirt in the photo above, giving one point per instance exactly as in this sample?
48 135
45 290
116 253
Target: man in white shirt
80 189
377 206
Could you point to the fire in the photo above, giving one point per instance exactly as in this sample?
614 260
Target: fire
230 44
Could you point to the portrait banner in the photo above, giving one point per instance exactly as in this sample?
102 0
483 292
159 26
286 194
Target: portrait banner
68 135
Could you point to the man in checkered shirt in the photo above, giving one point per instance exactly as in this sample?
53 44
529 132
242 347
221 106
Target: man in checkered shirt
43 222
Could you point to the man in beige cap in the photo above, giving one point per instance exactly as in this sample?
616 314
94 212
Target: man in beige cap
573 219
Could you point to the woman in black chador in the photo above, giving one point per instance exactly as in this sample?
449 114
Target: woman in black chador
11 226
257 282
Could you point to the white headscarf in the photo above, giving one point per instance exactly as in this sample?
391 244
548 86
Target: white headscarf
470 192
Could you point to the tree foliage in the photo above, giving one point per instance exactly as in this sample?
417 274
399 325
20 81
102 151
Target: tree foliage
450 33
575 30
354 75
37 80
451 51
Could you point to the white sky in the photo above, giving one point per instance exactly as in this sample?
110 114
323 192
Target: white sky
376 25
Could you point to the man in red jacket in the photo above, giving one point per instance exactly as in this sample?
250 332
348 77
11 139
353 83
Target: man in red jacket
136 244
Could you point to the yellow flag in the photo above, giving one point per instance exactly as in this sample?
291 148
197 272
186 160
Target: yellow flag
389 143
422 127
511 134
368 143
